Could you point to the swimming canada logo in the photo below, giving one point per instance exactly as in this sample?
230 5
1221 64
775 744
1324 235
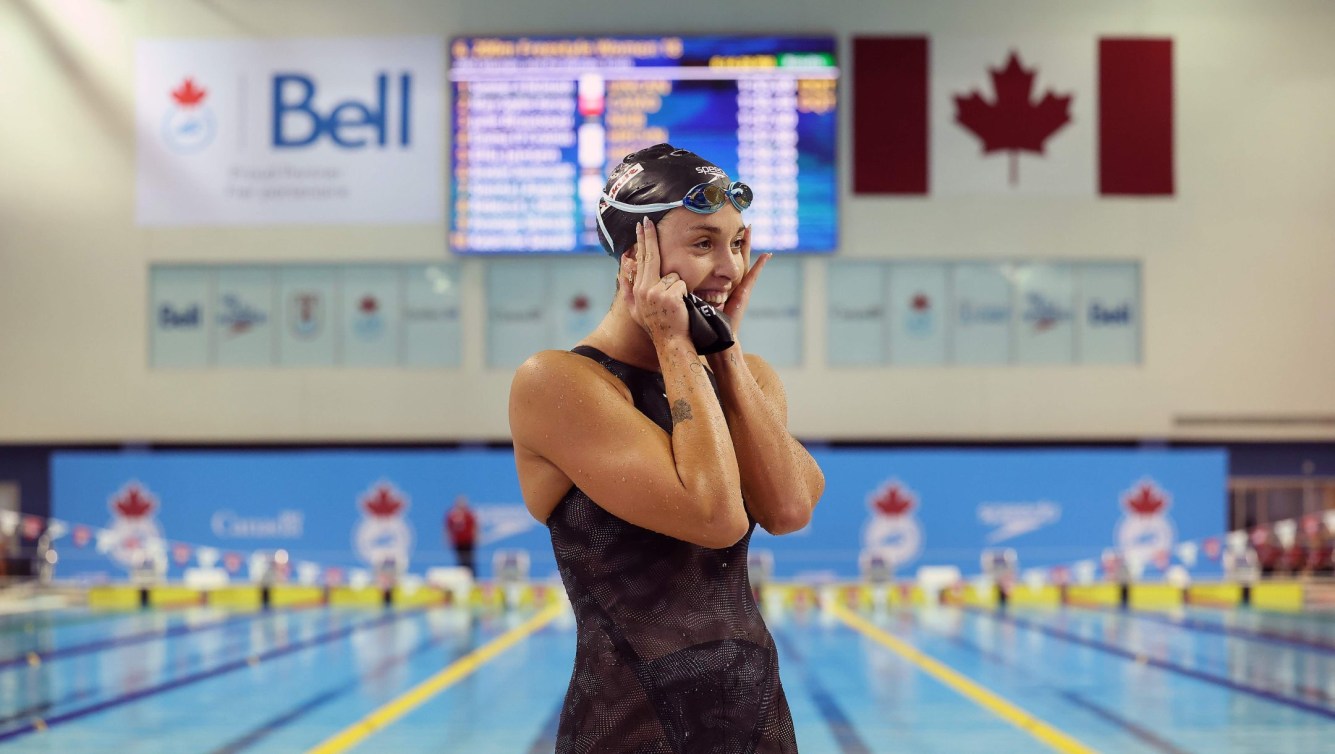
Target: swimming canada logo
384 538
133 534
368 322
580 318
920 322
892 533
1145 530
189 125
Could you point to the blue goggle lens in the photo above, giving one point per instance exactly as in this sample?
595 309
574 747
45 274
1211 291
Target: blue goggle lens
707 198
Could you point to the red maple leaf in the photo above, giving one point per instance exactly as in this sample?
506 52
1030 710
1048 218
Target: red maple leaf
382 503
369 305
187 94
921 303
1144 501
893 501
181 553
1013 122
134 504
1212 548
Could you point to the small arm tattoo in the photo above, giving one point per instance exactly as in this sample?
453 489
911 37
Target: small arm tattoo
681 411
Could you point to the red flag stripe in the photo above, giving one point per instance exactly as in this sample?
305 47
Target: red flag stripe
890 100
1136 116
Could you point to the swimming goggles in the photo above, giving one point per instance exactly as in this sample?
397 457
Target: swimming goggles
702 199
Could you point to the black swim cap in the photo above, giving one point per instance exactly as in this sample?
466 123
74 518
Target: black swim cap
654 175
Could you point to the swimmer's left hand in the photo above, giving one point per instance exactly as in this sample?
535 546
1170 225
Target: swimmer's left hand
737 301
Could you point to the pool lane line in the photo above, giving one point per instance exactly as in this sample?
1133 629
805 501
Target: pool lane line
545 743
1172 667
1145 735
1211 627
42 709
42 724
988 700
25 622
841 727
36 710
287 717
32 658
418 695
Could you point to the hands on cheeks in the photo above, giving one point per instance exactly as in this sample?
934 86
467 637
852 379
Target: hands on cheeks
656 299
740 297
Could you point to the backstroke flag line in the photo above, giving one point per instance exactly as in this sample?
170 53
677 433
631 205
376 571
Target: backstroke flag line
1063 116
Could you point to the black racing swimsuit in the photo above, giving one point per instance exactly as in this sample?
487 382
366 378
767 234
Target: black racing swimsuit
672 654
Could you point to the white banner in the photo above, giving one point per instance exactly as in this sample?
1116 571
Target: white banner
918 313
857 314
1045 327
1109 325
312 131
982 314
773 323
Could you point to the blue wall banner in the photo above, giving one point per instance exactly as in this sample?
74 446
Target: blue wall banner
1053 507
345 509
913 508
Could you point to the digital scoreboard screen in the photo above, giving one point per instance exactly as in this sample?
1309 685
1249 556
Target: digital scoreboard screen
538 122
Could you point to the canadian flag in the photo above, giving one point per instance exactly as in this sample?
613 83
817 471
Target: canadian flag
1048 116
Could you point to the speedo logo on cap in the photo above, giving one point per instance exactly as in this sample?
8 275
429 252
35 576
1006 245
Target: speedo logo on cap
712 170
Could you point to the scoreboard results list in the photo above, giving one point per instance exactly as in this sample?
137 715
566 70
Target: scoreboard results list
539 122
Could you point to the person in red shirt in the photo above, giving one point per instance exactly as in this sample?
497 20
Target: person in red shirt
461 528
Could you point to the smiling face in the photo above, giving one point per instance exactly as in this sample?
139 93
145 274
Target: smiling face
705 250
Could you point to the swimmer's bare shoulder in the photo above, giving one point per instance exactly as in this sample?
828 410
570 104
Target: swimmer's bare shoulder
573 422
545 387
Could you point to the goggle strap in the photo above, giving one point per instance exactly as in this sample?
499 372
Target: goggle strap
642 209
603 228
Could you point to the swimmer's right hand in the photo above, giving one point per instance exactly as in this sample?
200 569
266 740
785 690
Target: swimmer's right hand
659 300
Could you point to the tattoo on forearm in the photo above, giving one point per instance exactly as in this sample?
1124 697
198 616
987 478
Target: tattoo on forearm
697 367
681 411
